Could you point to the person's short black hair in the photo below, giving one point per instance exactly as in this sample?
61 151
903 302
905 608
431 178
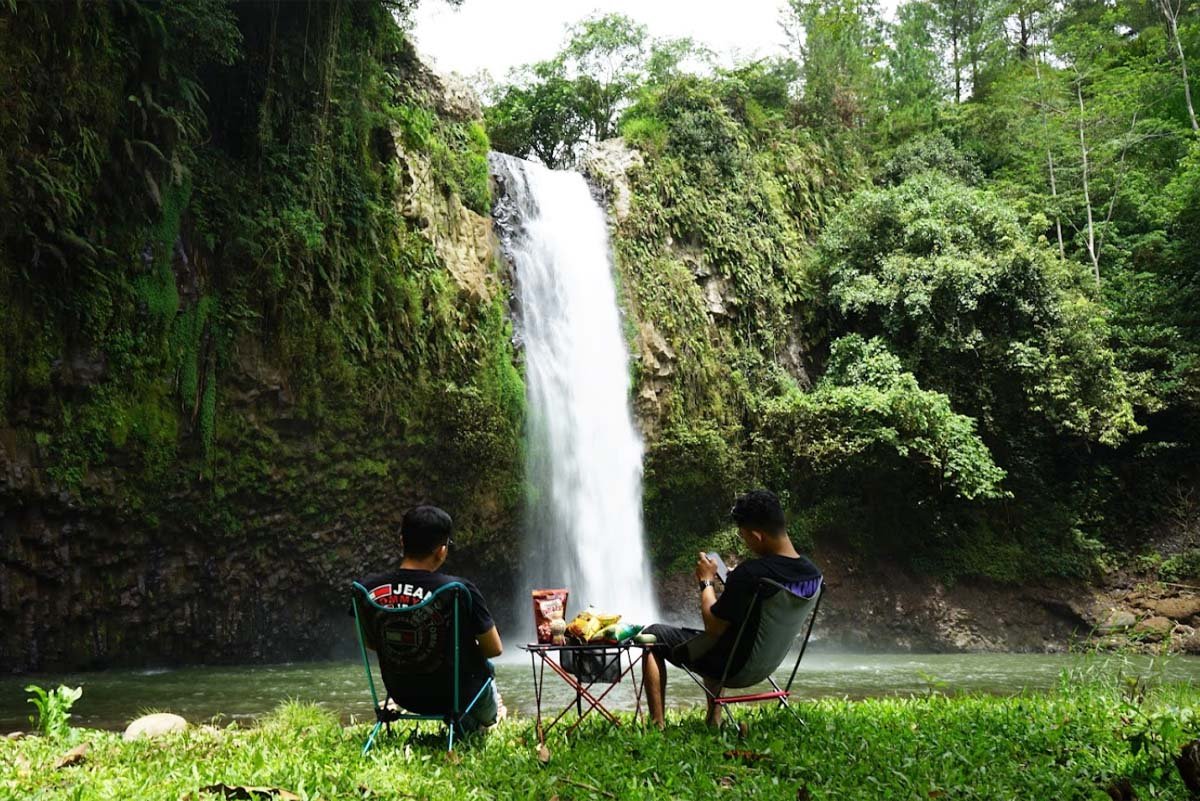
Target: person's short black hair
759 510
424 530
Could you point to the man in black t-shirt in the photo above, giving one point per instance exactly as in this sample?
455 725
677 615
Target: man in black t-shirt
760 521
426 533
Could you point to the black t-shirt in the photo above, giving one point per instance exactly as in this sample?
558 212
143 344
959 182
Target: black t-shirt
742 583
798 574
404 587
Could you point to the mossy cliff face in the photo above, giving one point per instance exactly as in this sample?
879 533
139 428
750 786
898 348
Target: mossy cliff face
250 312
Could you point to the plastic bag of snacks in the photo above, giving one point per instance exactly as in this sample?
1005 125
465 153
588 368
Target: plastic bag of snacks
616 633
588 622
548 606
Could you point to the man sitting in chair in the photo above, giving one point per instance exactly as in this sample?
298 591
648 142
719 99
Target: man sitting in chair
426 534
761 525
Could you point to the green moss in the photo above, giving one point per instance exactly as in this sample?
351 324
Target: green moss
457 152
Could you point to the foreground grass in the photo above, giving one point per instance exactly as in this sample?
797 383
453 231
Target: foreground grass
1068 744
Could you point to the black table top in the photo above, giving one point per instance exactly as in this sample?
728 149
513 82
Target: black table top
591 646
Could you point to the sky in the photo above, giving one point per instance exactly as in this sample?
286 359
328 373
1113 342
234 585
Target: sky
497 35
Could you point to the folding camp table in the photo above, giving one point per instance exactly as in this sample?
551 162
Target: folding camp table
582 667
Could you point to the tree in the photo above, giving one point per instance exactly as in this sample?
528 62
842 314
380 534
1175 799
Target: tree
946 276
550 109
839 43
538 114
671 57
1170 10
605 57
915 80
868 415
954 17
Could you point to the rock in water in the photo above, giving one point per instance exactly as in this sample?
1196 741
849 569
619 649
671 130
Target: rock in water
155 725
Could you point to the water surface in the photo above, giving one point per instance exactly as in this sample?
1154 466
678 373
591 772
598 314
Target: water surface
224 694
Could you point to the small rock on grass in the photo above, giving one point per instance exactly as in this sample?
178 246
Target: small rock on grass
76 756
1188 763
155 725
243 792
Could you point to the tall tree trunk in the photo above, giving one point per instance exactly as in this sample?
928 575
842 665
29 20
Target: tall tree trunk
1023 41
1172 15
1087 197
957 66
1062 251
974 27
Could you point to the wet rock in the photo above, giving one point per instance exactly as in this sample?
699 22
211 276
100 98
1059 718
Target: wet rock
1176 608
658 357
79 370
457 99
460 237
794 356
1118 620
718 296
1191 643
607 163
155 725
1154 628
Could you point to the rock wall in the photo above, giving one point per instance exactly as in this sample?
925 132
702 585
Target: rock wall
306 334
251 562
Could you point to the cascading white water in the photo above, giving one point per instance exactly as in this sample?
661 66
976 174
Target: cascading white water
583 454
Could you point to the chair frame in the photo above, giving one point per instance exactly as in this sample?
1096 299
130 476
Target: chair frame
780 694
384 717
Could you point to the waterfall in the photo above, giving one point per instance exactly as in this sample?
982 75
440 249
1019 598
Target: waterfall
583 454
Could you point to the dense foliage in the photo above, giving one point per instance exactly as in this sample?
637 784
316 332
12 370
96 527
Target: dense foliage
934 277
1073 743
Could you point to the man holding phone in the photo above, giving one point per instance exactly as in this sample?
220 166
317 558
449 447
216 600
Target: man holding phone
763 529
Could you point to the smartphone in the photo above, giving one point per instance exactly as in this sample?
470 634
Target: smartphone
722 570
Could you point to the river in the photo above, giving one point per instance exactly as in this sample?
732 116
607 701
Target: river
226 694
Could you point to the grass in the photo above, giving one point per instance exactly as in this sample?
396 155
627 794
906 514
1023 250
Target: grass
1071 743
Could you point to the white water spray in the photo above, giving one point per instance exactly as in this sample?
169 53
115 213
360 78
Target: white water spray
584 456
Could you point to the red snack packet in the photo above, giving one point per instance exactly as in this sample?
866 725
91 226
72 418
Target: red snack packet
548 605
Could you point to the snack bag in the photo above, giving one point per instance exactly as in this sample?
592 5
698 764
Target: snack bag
627 630
616 633
608 634
585 625
548 605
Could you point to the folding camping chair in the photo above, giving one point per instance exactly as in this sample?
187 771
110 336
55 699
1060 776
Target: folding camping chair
420 652
782 617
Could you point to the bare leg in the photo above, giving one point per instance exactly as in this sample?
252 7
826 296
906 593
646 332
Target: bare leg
714 710
654 679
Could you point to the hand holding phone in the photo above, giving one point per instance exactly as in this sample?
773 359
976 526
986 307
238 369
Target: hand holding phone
722 569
